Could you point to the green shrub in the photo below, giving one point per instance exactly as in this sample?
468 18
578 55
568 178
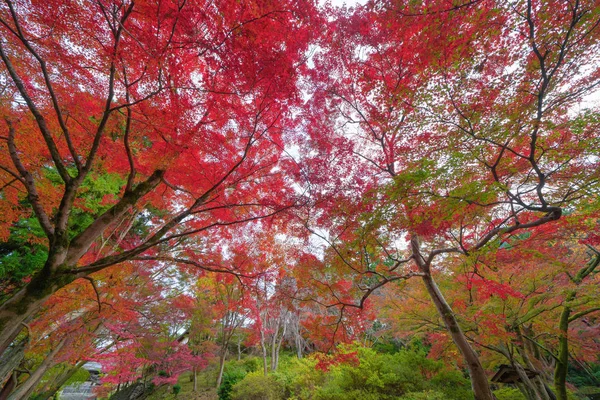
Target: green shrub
81 375
299 377
508 393
257 386
176 389
391 376
389 347
405 374
230 377
580 377
428 395
252 364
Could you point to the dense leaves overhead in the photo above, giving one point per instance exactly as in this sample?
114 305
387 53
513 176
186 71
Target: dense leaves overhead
186 104
278 173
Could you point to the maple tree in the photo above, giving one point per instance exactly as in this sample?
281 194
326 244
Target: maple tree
444 142
184 103
511 313
448 129
130 322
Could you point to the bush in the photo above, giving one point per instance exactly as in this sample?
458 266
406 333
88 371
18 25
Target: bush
257 386
230 378
300 378
406 374
580 377
81 375
388 347
176 389
428 395
252 364
508 393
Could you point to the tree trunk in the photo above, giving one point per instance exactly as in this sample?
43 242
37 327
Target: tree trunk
532 390
28 300
299 344
11 359
55 387
524 390
9 386
30 384
274 344
525 348
279 342
479 380
562 362
221 366
14 312
196 380
264 351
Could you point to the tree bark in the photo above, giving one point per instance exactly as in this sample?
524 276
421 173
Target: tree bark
562 363
221 367
11 359
14 312
195 380
55 386
275 363
23 391
562 360
264 351
536 383
9 386
532 389
479 380
274 345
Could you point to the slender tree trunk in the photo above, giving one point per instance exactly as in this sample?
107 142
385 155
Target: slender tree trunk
196 380
298 350
56 385
221 366
299 344
11 359
479 380
239 348
562 362
274 345
532 389
279 342
525 391
536 383
9 386
23 391
264 351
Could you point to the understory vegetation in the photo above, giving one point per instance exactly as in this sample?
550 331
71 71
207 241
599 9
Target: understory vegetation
382 372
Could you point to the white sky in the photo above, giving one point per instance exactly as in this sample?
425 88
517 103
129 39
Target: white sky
340 3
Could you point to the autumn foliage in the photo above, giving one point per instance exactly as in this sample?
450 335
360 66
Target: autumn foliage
181 181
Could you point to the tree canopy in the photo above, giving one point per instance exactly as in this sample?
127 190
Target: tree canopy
178 178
